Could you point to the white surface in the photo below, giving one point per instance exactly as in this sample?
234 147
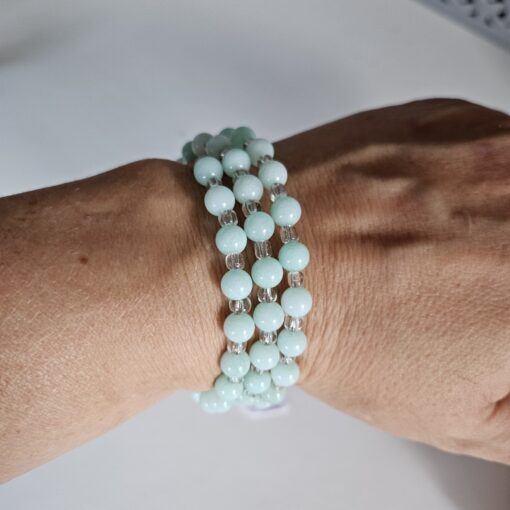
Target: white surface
85 86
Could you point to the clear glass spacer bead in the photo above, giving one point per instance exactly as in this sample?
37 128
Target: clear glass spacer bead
228 217
234 261
293 323
268 337
277 191
250 207
263 159
288 234
238 173
240 305
295 278
263 249
213 181
235 347
267 295
285 360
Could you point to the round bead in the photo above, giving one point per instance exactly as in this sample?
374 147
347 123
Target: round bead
274 395
211 402
239 327
198 144
258 148
267 272
272 172
264 356
259 226
241 135
206 168
285 374
219 199
216 145
227 132
257 383
248 187
226 389
236 284
286 211
294 256
296 301
291 343
187 153
268 316
235 159
231 239
235 366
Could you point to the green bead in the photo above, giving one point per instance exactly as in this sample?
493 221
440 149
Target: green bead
227 132
235 366
239 327
264 356
248 187
187 153
236 284
259 226
216 145
267 272
286 211
256 383
274 395
241 135
235 159
272 172
198 144
231 239
285 374
211 402
228 390
219 199
296 301
207 168
268 316
291 343
258 148
294 256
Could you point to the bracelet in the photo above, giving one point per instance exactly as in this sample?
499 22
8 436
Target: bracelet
258 374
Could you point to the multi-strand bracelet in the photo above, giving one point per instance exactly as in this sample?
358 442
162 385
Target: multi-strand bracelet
257 372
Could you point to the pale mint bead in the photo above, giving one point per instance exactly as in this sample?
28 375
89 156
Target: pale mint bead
241 135
268 316
211 402
258 148
267 272
219 199
207 168
239 327
285 374
247 400
236 284
226 389
286 211
234 160
227 132
256 383
264 356
274 395
248 187
231 239
216 145
235 366
199 142
291 343
187 153
294 256
272 172
259 226
296 301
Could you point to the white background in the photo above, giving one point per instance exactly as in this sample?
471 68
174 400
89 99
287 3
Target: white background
86 86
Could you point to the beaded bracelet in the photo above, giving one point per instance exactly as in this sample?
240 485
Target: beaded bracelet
258 379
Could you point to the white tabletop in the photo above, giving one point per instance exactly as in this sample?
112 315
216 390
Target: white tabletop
86 86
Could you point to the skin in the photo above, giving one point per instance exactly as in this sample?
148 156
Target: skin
109 298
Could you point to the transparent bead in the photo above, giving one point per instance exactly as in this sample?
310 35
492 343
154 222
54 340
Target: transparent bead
237 173
277 191
286 360
234 261
250 207
240 305
268 295
296 279
235 347
263 159
263 249
288 234
268 337
212 182
228 217
293 323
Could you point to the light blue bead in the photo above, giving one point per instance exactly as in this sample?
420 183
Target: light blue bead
286 211
268 316
274 395
235 366
219 199
187 153
267 272
264 356
239 327
285 375
272 172
228 390
216 145
227 132
206 168
247 400
211 402
296 301
235 159
258 148
294 256
231 239
198 144
241 135
256 383
291 343
236 284
259 226
248 187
